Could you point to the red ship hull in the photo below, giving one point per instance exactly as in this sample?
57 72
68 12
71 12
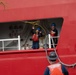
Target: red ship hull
34 62
27 62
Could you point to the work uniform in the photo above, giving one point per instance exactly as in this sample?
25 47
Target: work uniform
54 39
50 68
35 39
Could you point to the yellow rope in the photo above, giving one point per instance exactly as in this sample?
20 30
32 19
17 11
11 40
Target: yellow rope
36 23
3 3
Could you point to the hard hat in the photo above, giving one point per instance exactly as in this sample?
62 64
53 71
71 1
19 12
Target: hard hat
52 56
39 28
53 24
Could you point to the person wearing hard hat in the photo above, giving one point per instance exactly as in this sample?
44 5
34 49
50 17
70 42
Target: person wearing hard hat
35 39
54 31
54 34
55 68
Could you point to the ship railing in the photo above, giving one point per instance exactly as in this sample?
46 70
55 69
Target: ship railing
51 38
3 47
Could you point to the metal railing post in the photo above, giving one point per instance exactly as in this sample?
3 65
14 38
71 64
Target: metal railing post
19 46
3 45
49 40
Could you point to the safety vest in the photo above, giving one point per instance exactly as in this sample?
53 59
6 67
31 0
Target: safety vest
35 37
52 33
55 69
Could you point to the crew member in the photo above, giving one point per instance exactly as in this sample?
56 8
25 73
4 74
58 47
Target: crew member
54 34
55 68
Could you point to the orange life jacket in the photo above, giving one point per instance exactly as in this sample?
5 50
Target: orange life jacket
35 37
55 69
52 34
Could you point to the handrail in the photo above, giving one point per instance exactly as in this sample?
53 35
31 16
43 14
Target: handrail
69 65
13 39
50 38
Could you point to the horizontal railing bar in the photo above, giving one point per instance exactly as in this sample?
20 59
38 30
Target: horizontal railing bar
9 39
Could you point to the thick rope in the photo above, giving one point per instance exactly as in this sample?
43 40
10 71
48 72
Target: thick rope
69 65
